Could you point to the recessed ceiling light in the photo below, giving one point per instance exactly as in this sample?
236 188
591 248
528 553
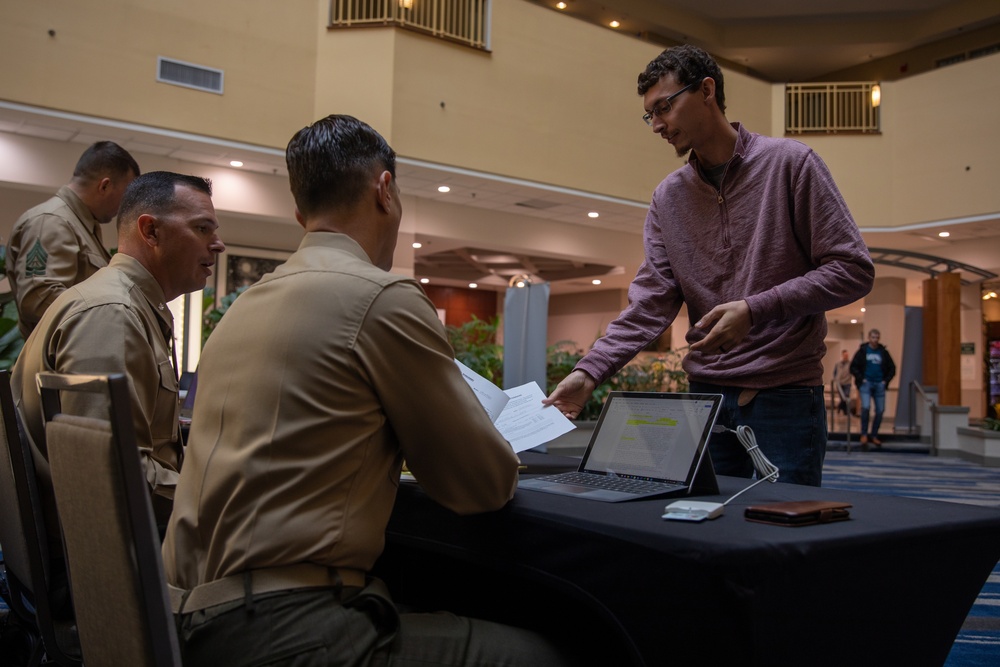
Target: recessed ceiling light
596 281
424 281
593 214
614 24
854 321
473 285
944 235
864 310
561 5
418 244
235 163
444 188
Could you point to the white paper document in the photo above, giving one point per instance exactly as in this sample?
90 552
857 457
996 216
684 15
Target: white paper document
518 412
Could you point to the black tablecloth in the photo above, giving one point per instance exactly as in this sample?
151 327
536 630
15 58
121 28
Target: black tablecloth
891 586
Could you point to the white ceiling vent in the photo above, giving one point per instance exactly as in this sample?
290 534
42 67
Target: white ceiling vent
188 75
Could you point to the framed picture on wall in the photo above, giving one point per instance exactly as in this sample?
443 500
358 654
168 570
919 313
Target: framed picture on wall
242 267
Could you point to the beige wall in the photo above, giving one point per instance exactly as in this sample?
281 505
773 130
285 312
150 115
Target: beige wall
102 62
936 158
553 102
945 158
354 75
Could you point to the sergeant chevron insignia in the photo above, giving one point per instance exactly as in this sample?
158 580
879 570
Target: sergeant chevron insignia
35 261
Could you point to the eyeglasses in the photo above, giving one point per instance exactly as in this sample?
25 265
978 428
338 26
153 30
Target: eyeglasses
664 107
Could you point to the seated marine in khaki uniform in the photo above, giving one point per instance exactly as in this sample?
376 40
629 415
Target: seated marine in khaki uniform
117 321
320 379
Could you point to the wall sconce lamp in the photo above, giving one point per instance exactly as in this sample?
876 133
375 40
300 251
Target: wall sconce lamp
876 95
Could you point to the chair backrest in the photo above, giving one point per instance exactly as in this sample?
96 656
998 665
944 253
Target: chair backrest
24 537
112 547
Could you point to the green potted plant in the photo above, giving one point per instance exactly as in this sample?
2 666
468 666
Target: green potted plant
475 345
212 312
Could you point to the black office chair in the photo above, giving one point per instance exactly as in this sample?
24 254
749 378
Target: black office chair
112 547
25 545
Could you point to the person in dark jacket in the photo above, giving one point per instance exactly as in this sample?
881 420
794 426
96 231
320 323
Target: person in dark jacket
873 369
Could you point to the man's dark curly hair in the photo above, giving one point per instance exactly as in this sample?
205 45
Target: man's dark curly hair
690 65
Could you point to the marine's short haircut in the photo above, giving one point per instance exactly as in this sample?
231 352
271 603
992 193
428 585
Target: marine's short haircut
105 158
690 65
155 193
331 161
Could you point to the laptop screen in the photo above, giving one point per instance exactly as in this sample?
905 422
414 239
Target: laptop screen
652 435
187 405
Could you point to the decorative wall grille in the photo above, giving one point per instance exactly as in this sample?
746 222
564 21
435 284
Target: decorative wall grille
830 108
462 21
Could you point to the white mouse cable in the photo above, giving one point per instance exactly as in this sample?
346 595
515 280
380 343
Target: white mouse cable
766 471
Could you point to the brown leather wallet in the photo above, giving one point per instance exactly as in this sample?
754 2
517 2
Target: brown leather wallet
798 512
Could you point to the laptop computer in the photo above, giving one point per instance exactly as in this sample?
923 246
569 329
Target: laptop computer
187 406
645 445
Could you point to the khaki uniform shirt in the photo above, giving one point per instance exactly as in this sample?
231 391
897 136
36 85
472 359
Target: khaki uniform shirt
319 380
52 247
115 322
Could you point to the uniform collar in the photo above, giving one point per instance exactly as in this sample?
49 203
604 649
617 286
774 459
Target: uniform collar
92 225
146 283
78 207
337 241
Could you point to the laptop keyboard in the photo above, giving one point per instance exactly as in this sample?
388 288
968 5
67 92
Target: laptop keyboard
610 483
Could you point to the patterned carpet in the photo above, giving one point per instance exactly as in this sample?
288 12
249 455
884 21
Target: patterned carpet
904 470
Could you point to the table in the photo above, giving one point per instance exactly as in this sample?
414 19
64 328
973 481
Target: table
892 586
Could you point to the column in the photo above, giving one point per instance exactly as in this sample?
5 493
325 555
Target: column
942 336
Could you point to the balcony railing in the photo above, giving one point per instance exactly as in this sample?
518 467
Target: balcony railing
462 21
830 108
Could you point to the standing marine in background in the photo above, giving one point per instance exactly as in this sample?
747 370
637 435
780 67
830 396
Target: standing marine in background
58 243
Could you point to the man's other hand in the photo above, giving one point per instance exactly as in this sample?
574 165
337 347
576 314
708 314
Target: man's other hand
727 324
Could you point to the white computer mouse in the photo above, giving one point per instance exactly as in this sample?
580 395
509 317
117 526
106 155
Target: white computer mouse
692 510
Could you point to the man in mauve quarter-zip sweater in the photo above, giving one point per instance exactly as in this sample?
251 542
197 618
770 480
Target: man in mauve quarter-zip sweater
753 235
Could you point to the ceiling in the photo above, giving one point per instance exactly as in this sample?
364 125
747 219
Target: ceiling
791 40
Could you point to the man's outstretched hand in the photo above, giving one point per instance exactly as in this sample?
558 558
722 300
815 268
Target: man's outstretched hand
572 394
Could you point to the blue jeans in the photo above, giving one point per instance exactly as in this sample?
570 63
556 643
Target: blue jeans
870 390
789 424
